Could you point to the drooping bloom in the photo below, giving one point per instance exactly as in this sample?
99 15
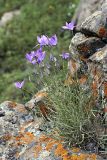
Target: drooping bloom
65 55
69 26
38 52
53 40
29 57
19 84
43 40
41 57
36 56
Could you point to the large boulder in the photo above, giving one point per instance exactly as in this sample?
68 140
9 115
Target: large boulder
88 50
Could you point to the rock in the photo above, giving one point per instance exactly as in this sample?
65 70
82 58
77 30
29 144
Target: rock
95 25
8 16
86 46
100 55
88 50
16 119
44 155
2 113
85 9
20 137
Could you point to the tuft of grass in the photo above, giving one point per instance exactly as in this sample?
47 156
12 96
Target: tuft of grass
73 114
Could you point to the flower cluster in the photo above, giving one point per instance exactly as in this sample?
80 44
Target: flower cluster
44 40
37 56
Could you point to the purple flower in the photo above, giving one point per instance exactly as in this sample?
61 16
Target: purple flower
53 40
43 40
19 84
41 57
38 52
69 26
30 56
65 55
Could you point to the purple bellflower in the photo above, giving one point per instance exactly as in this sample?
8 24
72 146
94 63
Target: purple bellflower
38 52
36 56
30 57
19 84
43 40
41 57
53 40
69 26
65 55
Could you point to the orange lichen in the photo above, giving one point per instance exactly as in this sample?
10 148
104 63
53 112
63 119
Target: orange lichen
25 138
102 32
66 157
44 138
38 149
59 149
83 79
84 157
105 89
12 104
50 145
64 153
76 150
41 94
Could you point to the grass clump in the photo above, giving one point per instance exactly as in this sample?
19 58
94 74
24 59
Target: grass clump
73 116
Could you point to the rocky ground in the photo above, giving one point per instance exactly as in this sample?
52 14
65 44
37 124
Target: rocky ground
22 139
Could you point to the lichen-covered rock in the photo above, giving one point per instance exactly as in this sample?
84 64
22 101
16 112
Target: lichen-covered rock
89 47
85 9
21 139
89 52
86 46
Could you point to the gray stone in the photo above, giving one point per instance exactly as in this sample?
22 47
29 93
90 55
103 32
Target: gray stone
85 9
86 46
8 16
